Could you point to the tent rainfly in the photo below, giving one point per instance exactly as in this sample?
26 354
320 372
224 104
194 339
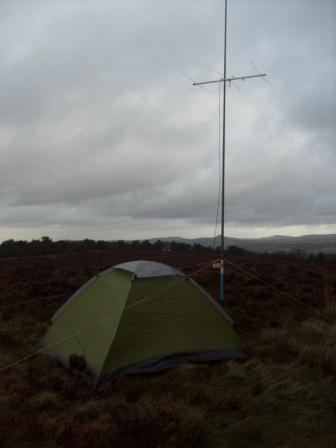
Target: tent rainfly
140 317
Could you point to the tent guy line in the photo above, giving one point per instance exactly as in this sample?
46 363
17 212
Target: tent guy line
39 299
47 298
251 274
284 293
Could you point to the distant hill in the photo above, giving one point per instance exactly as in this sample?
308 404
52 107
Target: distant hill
277 243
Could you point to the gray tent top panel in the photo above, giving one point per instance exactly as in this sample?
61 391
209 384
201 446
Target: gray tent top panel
142 268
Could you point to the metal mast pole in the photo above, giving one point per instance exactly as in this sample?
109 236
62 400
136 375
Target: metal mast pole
224 80
221 291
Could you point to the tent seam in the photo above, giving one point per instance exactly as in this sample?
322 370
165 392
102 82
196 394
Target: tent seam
115 329
155 293
211 300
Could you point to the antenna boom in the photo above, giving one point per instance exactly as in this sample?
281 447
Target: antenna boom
233 78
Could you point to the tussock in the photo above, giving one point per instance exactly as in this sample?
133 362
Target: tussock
284 396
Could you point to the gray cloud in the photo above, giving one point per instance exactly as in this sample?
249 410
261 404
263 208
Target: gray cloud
98 127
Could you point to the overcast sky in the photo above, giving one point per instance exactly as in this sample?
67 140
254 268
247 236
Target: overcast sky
103 136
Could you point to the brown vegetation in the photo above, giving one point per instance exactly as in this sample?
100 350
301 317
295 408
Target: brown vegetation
283 396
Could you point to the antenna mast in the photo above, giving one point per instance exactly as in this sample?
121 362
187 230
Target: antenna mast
224 80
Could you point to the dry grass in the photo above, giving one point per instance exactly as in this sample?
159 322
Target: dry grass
284 396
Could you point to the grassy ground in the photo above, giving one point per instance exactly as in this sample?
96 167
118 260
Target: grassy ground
283 396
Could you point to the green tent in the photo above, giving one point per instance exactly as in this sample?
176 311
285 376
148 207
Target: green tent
140 317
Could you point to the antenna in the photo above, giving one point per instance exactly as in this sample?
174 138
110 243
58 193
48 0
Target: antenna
225 80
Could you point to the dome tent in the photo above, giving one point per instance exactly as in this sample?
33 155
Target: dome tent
140 317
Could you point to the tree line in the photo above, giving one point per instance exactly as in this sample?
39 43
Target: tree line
46 246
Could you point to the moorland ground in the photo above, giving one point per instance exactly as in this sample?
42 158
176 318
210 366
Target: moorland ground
284 395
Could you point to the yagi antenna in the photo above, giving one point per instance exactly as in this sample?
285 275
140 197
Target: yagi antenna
225 80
